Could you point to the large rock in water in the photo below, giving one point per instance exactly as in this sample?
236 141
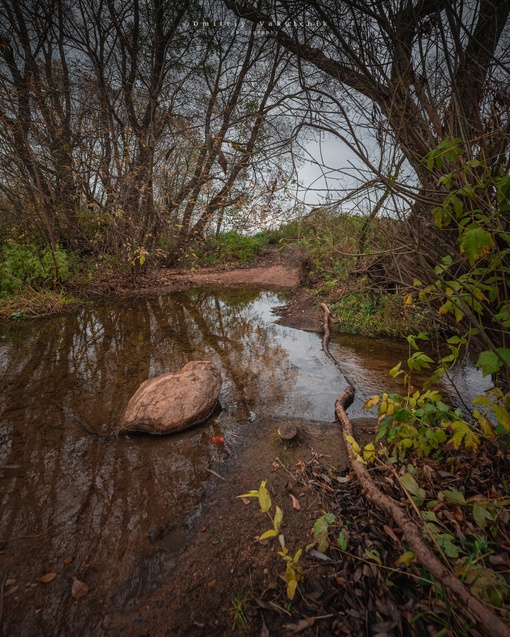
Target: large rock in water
174 401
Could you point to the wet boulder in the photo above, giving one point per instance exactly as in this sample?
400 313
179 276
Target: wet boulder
174 401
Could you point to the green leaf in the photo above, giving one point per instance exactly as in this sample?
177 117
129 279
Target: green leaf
482 401
320 532
476 243
374 555
504 353
413 487
330 518
342 540
445 542
486 584
489 363
452 495
481 516
394 371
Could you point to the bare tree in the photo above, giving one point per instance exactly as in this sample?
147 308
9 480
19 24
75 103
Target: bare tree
411 78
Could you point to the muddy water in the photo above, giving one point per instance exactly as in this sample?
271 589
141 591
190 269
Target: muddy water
81 501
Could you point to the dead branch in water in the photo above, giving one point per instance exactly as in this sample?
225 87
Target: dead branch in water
479 613
325 340
327 332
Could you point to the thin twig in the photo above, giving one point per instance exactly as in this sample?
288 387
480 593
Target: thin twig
215 474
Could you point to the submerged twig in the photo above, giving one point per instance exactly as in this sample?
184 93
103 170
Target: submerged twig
326 338
214 473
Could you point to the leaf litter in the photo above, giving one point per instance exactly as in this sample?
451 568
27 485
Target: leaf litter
374 586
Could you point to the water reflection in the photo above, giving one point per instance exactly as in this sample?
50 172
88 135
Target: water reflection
118 505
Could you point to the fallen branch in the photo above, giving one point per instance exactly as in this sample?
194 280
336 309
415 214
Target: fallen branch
325 340
326 332
479 613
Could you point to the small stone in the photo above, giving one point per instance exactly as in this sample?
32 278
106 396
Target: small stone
287 431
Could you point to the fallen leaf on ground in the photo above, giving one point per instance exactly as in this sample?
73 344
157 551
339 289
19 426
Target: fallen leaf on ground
295 502
218 440
10 582
391 533
68 560
301 625
79 589
49 577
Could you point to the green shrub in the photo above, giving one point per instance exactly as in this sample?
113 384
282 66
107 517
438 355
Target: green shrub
230 247
236 247
25 265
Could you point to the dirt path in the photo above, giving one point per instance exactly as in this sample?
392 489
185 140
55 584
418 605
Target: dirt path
273 269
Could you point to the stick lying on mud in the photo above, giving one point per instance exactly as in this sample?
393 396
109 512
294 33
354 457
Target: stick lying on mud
475 609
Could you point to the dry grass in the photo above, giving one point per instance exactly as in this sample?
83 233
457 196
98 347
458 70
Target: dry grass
35 304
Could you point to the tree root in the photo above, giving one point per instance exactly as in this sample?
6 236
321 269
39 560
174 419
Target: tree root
479 613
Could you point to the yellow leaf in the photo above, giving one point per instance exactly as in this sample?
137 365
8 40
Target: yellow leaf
405 559
252 494
264 497
278 519
371 402
291 589
354 445
484 424
270 533
502 415
369 452
462 434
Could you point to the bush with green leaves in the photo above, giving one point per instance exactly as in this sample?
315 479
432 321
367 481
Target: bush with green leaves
27 265
229 247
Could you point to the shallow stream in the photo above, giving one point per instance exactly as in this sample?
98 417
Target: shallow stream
80 500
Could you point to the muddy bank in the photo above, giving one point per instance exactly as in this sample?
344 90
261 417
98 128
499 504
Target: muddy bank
273 269
224 561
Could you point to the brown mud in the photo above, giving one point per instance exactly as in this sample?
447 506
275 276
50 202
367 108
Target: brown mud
273 269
